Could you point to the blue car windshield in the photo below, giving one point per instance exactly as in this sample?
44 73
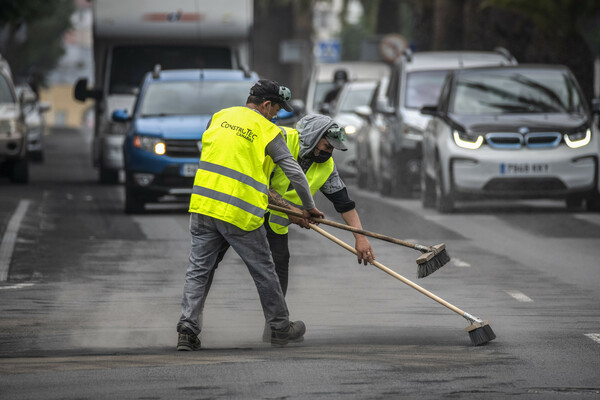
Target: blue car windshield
515 91
355 98
192 97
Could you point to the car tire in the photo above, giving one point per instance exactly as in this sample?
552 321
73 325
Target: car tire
19 171
444 203
593 203
574 202
385 183
37 156
108 176
134 203
427 190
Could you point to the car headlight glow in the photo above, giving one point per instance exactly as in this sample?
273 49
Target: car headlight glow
577 140
350 129
467 144
149 143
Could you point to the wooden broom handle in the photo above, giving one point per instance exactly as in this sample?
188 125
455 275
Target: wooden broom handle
353 229
390 272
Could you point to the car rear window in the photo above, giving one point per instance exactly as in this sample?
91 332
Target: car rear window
515 91
192 97
6 95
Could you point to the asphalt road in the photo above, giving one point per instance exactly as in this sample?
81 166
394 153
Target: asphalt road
91 298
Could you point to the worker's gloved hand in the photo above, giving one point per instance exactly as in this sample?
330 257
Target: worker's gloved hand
313 212
364 251
303 222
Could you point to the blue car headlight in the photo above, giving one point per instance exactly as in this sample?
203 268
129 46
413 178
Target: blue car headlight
149 143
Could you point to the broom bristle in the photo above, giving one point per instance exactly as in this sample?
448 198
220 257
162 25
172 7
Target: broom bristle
430 266
482 334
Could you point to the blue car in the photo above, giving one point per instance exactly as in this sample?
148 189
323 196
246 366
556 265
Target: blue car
164 140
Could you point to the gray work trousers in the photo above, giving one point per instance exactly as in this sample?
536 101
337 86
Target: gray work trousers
211 237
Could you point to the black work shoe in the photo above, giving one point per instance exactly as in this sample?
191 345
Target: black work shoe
293 333
187 340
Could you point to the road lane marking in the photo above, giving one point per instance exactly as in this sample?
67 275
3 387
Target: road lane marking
17 286
460 263
519 296
7 246
594 336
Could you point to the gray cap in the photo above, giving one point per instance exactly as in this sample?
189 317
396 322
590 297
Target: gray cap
312 127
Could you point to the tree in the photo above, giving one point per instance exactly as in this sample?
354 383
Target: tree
45 22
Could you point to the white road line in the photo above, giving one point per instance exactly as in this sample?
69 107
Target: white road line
460 263
9 239
594 336
519 296
17 286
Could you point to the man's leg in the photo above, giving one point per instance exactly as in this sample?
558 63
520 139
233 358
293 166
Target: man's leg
281 255
207 245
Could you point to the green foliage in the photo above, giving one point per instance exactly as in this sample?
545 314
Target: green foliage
47 21
562 16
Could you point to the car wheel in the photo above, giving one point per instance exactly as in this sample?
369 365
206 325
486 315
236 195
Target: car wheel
574 202
372 177
108 176
593 203
37 156
19 171
362 178
427 190
134 203
444 203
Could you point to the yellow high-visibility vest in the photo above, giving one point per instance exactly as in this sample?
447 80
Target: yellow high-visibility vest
317 175
231 183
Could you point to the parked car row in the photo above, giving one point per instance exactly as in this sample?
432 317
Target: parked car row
454 126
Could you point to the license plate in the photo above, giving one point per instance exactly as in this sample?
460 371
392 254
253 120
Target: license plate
524 168
189 169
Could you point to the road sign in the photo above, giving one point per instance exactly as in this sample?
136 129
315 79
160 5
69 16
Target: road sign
328 51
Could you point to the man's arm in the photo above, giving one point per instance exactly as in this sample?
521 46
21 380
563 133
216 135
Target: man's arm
277 149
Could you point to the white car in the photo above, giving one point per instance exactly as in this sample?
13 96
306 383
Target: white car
416 80
518 132
351 97
35 119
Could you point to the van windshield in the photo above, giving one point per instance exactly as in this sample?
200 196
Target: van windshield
192 97
130 63
423 87
516 91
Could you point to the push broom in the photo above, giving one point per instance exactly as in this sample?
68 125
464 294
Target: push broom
432 259
480 332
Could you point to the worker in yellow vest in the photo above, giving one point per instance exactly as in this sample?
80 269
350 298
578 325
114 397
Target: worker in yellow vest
240 149
312 144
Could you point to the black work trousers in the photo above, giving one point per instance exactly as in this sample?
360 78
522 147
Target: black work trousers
281 255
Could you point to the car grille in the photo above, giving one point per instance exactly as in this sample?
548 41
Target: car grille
525 186
532 140
182 148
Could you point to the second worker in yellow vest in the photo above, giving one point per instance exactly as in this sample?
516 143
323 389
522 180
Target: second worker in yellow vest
312 144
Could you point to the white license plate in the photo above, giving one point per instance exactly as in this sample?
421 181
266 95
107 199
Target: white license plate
189 169
524 169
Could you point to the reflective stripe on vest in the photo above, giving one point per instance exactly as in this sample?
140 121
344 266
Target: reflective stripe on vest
317 175
231 183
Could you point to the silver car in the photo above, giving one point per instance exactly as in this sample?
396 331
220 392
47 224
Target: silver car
509 132
416 80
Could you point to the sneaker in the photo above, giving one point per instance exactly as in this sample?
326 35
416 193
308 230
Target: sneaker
187 340
293 333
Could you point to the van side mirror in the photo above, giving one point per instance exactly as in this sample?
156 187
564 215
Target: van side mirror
120 115
43 106
430 110
82 93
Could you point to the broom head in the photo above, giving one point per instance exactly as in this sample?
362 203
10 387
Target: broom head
432 260
480 333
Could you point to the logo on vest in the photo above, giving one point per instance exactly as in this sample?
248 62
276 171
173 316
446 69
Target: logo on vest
245 133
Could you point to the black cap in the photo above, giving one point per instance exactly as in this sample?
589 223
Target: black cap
271 90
